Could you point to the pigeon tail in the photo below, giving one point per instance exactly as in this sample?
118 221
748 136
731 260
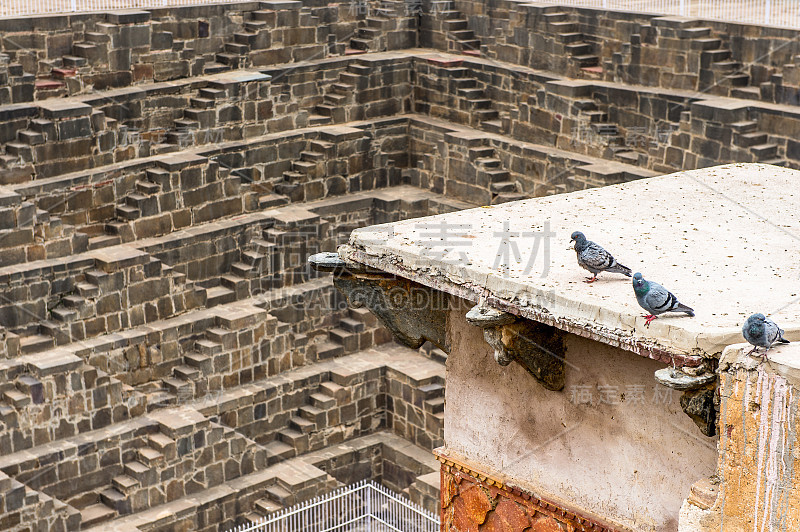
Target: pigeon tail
783 340
680 307
619 268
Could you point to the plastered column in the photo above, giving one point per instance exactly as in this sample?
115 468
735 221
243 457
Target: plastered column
759 455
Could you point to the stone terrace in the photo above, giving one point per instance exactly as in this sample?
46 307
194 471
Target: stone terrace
165 174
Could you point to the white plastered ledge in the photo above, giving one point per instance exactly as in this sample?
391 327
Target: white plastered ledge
725 240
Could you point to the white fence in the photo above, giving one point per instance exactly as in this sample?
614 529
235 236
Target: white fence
785 13
362 507
14 8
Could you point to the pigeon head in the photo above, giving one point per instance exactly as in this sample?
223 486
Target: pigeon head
640 286
755 324
579 239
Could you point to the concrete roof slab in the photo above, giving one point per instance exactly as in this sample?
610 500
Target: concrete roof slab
725 240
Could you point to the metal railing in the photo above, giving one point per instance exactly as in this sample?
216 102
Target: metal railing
362 507
782 13
15 8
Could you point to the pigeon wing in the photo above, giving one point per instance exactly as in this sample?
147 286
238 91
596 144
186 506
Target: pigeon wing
659 299
595 258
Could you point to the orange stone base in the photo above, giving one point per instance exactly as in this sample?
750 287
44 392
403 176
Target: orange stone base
474 502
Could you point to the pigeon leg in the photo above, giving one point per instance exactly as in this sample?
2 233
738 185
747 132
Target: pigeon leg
591 279
753 351
648 318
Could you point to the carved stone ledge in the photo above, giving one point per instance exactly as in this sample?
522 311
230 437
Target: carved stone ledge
697 399
538 347
412 312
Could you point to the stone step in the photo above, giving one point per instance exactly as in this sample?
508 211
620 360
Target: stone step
237 48
180 388
726 66
493 126
267 506
434 406
111 238
431 391
746 140
570 37
746 93
744 126
311 156
87 290
579 49
694 33
331 389
146 476
186 372
488 162
280 495
368 33
255 25
503 186
737 80
764 151
507 197
73 61
219 295
477 153
268 201
148 187
16 398
149 456
115 499
497 176
558 16
64 315
472 45
229 59
709 43
201 103
35 343
124 483
627 157
127 212
95 514
348 340
315 415
318 120
278 451
322 401
471 93
302 425
215 68
329 349
199 361
585 60
359 44
563 27
463 35
485 114
343 88
351 325
243 270
777 161
31 138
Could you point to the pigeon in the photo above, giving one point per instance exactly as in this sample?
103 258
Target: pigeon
761 331
656 299
594 258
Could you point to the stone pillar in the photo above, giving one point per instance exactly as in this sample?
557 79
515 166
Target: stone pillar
759 456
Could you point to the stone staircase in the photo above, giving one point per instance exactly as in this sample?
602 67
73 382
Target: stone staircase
333 107
491 175
460 37
577 46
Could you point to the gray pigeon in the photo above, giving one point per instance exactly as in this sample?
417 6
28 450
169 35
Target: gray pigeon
656 299
761 331
594 258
